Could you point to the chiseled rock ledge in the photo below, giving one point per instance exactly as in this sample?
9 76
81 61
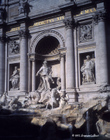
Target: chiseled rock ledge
70 117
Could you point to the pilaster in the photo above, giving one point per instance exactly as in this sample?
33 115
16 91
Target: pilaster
33 75
62 65
2 65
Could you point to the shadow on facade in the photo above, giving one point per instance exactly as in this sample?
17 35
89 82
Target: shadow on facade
17 125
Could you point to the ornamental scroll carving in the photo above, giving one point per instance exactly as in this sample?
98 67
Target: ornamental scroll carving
99 16
68 23
14 47
85 33
22 33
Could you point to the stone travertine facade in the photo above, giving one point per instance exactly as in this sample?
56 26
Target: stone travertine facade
54 64
61 32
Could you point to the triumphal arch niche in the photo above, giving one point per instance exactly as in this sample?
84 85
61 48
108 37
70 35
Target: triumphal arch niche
47 63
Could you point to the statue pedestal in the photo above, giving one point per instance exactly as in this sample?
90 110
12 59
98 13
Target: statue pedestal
88 83
16 93
72 95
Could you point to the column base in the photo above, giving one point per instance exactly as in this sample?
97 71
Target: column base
72 96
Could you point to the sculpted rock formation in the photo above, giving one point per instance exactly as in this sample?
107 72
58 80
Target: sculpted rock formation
65 116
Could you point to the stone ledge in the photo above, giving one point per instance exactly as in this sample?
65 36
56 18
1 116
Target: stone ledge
16 93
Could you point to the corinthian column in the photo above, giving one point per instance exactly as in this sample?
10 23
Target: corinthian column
2 65
101 51
70 78
23 61
69 55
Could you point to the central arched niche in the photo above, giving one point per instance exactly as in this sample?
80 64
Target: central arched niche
46 47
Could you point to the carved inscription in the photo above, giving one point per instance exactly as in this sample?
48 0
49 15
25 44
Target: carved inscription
87 11
48 21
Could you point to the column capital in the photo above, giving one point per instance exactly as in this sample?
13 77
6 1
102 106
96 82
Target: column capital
99 17
32 59
68 23
2 38
61 56
23 33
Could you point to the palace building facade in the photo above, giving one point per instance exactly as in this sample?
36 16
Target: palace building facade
71 36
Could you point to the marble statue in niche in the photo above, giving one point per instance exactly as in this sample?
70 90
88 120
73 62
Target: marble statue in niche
85 33
2 14
14 47
24 7
15 79
87 70
21 6
45 73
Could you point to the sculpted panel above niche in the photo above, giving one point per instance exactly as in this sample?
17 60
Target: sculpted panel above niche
85 32
13 48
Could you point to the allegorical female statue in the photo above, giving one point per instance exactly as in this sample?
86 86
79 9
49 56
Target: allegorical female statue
15 79
88 70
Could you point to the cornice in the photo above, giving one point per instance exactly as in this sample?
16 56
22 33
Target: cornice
82 2
67 5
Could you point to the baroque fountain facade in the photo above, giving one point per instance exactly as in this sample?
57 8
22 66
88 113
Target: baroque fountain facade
54 62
